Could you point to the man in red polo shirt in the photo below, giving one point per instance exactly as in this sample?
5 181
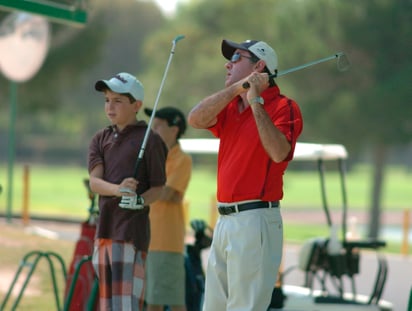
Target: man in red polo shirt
258 128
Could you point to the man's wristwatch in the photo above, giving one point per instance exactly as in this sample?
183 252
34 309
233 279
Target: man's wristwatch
258 100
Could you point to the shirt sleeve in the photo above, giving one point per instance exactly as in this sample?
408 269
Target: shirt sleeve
289 122
95 156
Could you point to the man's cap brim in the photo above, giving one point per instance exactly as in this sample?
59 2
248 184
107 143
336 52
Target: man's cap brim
229 47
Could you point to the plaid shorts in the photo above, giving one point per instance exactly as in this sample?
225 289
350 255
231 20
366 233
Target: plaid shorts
120 269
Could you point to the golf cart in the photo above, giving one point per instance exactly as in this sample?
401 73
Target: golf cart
326 262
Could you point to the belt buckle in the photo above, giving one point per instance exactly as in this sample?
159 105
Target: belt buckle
226 210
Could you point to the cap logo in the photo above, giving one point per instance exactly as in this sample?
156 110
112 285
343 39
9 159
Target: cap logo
123 80
262 51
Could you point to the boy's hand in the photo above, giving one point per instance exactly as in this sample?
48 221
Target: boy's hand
130 200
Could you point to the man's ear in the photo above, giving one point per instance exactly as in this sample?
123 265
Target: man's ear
260 65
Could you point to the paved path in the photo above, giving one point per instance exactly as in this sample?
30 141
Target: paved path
319 217
398 284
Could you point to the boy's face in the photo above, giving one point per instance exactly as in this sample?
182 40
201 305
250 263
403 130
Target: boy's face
119 110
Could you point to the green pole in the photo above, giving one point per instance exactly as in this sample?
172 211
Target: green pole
13 101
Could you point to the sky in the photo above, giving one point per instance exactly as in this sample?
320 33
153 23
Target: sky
168 6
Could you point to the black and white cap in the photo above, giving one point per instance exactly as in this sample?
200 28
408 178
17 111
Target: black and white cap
258 48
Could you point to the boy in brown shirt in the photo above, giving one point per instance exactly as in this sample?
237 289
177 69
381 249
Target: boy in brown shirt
123 230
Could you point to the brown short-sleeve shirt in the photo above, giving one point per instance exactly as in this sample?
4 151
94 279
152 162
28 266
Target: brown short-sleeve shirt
117 152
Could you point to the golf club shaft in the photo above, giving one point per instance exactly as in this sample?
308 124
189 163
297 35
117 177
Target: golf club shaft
246 85
149 125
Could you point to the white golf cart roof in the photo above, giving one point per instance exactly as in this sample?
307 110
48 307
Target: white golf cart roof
303 151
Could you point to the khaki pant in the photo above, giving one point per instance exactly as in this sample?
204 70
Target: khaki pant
244 260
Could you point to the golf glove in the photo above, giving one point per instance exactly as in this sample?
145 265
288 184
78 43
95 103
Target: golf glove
133 202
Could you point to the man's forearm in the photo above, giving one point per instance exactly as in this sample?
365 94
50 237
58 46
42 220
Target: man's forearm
204 114
273 140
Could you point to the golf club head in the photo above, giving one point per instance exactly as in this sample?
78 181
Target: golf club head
178 38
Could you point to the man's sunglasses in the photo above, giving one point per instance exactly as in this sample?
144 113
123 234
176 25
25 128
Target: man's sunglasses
237 56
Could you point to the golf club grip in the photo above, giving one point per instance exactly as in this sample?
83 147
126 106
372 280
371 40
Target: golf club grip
246 85
136 166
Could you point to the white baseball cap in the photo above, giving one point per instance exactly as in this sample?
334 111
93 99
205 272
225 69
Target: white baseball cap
122 83
258 48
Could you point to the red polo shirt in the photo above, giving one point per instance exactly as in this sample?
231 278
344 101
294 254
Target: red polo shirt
245 171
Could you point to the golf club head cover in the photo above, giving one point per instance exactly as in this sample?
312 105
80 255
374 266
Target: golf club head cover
198 225
131 200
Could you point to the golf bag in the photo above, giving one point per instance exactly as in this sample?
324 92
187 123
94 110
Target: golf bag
85 277
195 276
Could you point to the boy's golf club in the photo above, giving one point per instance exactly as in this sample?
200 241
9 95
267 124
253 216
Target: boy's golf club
146 136
342 64
129 199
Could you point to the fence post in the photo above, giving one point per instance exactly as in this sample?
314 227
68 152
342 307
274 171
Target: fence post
26 195
405 233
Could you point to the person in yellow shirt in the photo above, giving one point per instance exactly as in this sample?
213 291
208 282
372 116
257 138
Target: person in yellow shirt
165 272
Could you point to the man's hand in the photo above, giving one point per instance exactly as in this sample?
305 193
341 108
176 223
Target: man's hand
130 200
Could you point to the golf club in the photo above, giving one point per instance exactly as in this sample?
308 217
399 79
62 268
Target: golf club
342 64
146 136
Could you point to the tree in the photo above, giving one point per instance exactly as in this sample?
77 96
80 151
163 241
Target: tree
379 30
376 101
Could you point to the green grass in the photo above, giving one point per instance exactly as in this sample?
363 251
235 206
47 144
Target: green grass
302 189
53 191
296 234
59 190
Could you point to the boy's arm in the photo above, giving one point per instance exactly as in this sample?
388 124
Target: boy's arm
100 186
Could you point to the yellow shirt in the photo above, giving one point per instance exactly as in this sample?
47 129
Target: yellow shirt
166 218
